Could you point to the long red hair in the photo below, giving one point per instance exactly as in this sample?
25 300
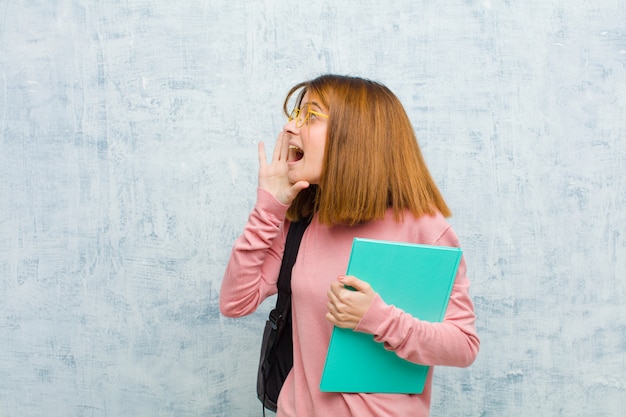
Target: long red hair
372 161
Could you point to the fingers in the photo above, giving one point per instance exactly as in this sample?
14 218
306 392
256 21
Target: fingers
348 300
284 145
337 315
341 314
277 148
280 153
338 300
341 291
262 156
281 148
334 293
353 283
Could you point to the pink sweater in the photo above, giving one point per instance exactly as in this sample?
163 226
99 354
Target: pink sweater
251 277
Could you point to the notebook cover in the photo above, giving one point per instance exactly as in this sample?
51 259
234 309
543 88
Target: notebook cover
416 278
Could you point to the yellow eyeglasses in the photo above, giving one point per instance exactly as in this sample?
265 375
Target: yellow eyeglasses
296 115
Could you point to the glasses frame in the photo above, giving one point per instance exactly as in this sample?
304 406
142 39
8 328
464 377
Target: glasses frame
296 112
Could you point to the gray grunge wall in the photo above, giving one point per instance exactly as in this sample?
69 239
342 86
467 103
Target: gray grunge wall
128 166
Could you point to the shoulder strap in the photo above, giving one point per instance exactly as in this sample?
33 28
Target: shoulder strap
273 369
292 244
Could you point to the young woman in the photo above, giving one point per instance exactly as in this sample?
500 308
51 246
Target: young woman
348 158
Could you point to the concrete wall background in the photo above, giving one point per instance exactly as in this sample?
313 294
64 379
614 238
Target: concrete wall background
128 136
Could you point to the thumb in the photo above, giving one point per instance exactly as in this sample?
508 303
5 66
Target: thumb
353 283
292 192
299 186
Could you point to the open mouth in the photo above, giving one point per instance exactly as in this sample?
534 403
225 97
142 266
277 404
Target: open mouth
295 153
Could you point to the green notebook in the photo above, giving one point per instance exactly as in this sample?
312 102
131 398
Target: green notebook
416 278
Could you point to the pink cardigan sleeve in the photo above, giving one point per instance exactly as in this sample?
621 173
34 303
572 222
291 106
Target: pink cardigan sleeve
254 263
453 342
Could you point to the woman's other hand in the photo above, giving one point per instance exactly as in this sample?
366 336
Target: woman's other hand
346 306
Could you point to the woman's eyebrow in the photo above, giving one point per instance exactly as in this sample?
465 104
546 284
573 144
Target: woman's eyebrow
311 103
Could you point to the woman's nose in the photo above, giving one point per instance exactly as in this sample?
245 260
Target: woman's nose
291 127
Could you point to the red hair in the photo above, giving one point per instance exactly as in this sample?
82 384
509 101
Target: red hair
372 162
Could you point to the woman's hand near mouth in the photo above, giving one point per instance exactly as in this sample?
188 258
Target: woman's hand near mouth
273 176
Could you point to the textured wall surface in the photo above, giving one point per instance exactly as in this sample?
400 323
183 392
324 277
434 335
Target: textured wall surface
128 166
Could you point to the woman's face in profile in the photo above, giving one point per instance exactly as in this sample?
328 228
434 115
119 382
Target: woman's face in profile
307 133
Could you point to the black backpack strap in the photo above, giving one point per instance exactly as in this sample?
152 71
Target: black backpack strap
292 245
282 311
280 322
